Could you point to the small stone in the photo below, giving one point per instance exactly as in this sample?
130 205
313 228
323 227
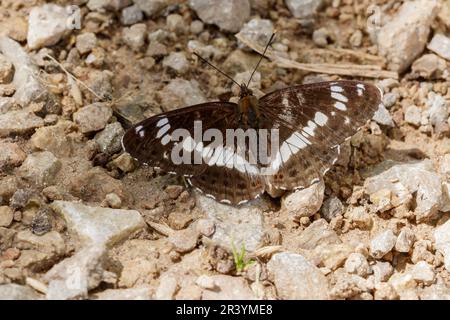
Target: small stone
350 286
152 8
93 117
47 25
196 27
156 49
303 9
356 39
228 288
440 44
184 240
429 66
124 294
332 256
101 5
179 220
100 83
382 244
438 109
318 233
304 202
258 30
51 242
421 251
442 242
125 162
6 216
180 93
96 58
390 99
383 117
6 70
96 225
109 140
206 227
11 155
6 238
206 282
356 263
384 291
40 167
405 240
413 115
228 15
382 199
177 61
404 285
134 36
17 292
10 254
359 217
131 15
404 37
113 201
86 42
422 272
42 222
320 37
331 208
175 23
296 278
19 122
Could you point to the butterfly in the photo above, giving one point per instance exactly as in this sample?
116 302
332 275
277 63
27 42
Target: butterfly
228 157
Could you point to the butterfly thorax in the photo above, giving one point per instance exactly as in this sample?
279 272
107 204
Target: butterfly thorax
249 115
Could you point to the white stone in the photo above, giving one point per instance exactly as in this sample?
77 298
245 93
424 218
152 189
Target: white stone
440 44
382 244
442 242
304 202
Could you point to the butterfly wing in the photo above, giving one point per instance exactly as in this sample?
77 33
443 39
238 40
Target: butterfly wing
313 120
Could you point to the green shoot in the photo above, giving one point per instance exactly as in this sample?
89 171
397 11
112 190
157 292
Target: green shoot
239 258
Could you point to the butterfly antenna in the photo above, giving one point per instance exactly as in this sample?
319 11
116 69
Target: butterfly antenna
217 69
262 56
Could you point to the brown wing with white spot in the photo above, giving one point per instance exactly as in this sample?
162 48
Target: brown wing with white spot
313 121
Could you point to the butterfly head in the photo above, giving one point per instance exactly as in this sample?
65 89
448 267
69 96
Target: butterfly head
245 91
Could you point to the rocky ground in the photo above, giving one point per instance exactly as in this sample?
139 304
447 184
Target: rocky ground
79 219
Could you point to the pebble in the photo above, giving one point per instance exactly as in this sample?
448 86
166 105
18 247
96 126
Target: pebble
6 104
405 240
86 42
243 225
113 201
196 27
404 37
47 25
168 286
124 294
382 244
40 168
404 285
383 117
175 23
206 227
11 155
179 220
442 242
131 15
332 256
93 117
438 109
357 263
28 88
440 44
296 278
180 93
304 9
304 202
6 70
156 49
206 282
134 36
422 272
125 162
331 208
228 288
318 233
17 292
98 226
52 242
227 15
176 61
99 5
390 99
42 221
356 39
382 199
406 179
413 115
258 30
6 216
320 37
151 7
429 66
109 139
184 240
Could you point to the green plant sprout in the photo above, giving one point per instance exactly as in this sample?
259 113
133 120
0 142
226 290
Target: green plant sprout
239 258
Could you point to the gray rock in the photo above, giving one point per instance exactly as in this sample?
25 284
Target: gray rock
382 116
304 202
406 179
429 66
357 263
303 9
98 226
442 242
100 83
206 51
17 292
40 168
11 155
6 104
124 294
196 27
86 42
134 36
258 30
109 140
403 39
331 207
382 244
51 242
47 25
228 288
390 99
131 15
440 44
320 37
413 115
437 109
28 88
242 226
382 271
296 278
350 286
6 70
93 117
177 61
99 5
227 15
175 23
318 233
181 93
405 240
151 7
184 240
